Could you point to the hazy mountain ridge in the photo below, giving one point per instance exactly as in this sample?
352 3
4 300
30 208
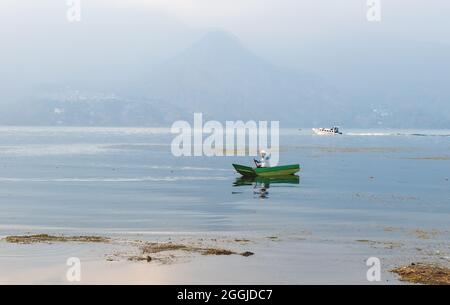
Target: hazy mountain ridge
219 77
83 108
222 79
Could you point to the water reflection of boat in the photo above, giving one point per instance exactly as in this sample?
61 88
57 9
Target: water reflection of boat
261 185
288 179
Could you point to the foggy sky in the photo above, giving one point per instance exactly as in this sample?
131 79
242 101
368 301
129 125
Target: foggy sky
276 29
330 38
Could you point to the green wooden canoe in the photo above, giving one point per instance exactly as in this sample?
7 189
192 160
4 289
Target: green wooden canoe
267 171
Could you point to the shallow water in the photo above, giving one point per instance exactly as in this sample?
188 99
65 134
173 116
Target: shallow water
126 180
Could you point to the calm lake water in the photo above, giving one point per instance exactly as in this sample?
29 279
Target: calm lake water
126 180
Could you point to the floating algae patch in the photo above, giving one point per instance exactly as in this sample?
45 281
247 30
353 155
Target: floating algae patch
45 238
273 238
157 248
422 273
168 252
147 259
422 234
163 247
213 251
382 244
391 229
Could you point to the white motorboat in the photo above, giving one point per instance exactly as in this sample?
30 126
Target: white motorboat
327 131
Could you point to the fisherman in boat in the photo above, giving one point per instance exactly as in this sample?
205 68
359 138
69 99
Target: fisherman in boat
264 159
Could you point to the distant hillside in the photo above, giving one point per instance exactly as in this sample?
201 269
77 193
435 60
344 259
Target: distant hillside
225 81
216 76
84 108
219 77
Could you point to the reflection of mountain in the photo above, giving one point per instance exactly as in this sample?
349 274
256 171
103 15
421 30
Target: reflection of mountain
222 79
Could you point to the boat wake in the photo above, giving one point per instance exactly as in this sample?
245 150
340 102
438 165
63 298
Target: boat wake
371 134
406 134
